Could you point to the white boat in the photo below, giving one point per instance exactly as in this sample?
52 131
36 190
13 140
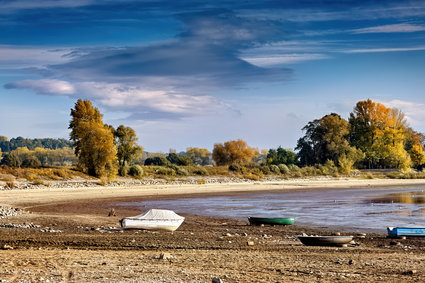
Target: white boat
153 219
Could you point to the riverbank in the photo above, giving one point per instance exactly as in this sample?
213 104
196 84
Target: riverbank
66 235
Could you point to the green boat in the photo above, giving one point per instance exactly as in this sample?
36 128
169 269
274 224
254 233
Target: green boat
271 221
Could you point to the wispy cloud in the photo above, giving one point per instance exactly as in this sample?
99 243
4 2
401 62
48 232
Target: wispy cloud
414 111
391 28
284 59
389 49
44 86
12 56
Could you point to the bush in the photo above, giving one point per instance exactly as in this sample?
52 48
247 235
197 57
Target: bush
157 160
283 169
293 167
265 169
251 176
200 171
236 168
274 168
31 162
165 171
135 171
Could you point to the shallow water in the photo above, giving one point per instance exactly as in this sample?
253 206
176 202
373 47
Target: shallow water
349 209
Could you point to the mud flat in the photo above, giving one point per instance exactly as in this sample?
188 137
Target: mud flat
66 235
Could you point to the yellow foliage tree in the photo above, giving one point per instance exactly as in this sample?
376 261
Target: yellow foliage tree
380 132
233 152
93 141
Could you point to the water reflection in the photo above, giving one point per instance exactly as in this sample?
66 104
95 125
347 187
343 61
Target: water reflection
354 209
417 197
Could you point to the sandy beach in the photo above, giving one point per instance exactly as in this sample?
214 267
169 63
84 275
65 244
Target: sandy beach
66 235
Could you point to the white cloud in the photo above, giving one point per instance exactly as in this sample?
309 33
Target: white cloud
138 101
271 60
375 50
415 112
15 5
391 28
20 56
44 86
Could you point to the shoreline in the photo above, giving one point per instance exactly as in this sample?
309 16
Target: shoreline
23 198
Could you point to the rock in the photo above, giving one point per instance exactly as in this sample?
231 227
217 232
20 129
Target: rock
229 235
217 280
410 272
245 234
351 262
250 243
394 243
337 234
7 247
165 256
112 212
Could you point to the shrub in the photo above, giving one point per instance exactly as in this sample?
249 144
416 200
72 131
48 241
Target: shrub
274 169
283 168
251 176
157 160
265 169
236 168
201 181
200 171
31 162
135 171
293 167
182 172
165 171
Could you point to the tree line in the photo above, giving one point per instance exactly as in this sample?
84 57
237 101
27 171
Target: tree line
374 136
7 145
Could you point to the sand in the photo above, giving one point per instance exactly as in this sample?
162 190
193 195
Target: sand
72 239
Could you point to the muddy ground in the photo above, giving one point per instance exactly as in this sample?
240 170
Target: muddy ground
78 242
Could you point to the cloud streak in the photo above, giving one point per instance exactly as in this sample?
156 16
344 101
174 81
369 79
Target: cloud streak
391 28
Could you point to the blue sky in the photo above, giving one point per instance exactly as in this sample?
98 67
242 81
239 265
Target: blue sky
194 73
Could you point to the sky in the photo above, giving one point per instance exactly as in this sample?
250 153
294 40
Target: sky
193 73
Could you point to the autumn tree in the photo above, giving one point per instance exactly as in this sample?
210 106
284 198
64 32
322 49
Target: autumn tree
233 152
414 146
127 148
326 139
380 132
93 141
198 156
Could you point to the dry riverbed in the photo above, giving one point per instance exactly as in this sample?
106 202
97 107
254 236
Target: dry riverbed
66 237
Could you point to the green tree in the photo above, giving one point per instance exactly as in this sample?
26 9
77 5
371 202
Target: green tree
281 156
178 159
325 139
127 148
93 141
198 156
233 152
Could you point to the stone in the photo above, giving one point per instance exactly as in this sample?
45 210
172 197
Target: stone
411 272
351 262
217 280
250 243
7 247
165 256
394 243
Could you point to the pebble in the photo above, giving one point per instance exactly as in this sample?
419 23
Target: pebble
250 243
165 256
217 280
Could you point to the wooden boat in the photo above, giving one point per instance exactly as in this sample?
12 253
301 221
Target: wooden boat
154 219
325 240
271 221
396 232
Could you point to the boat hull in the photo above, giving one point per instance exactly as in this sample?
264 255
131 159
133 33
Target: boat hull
325 240
168 225
396 232
271 221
